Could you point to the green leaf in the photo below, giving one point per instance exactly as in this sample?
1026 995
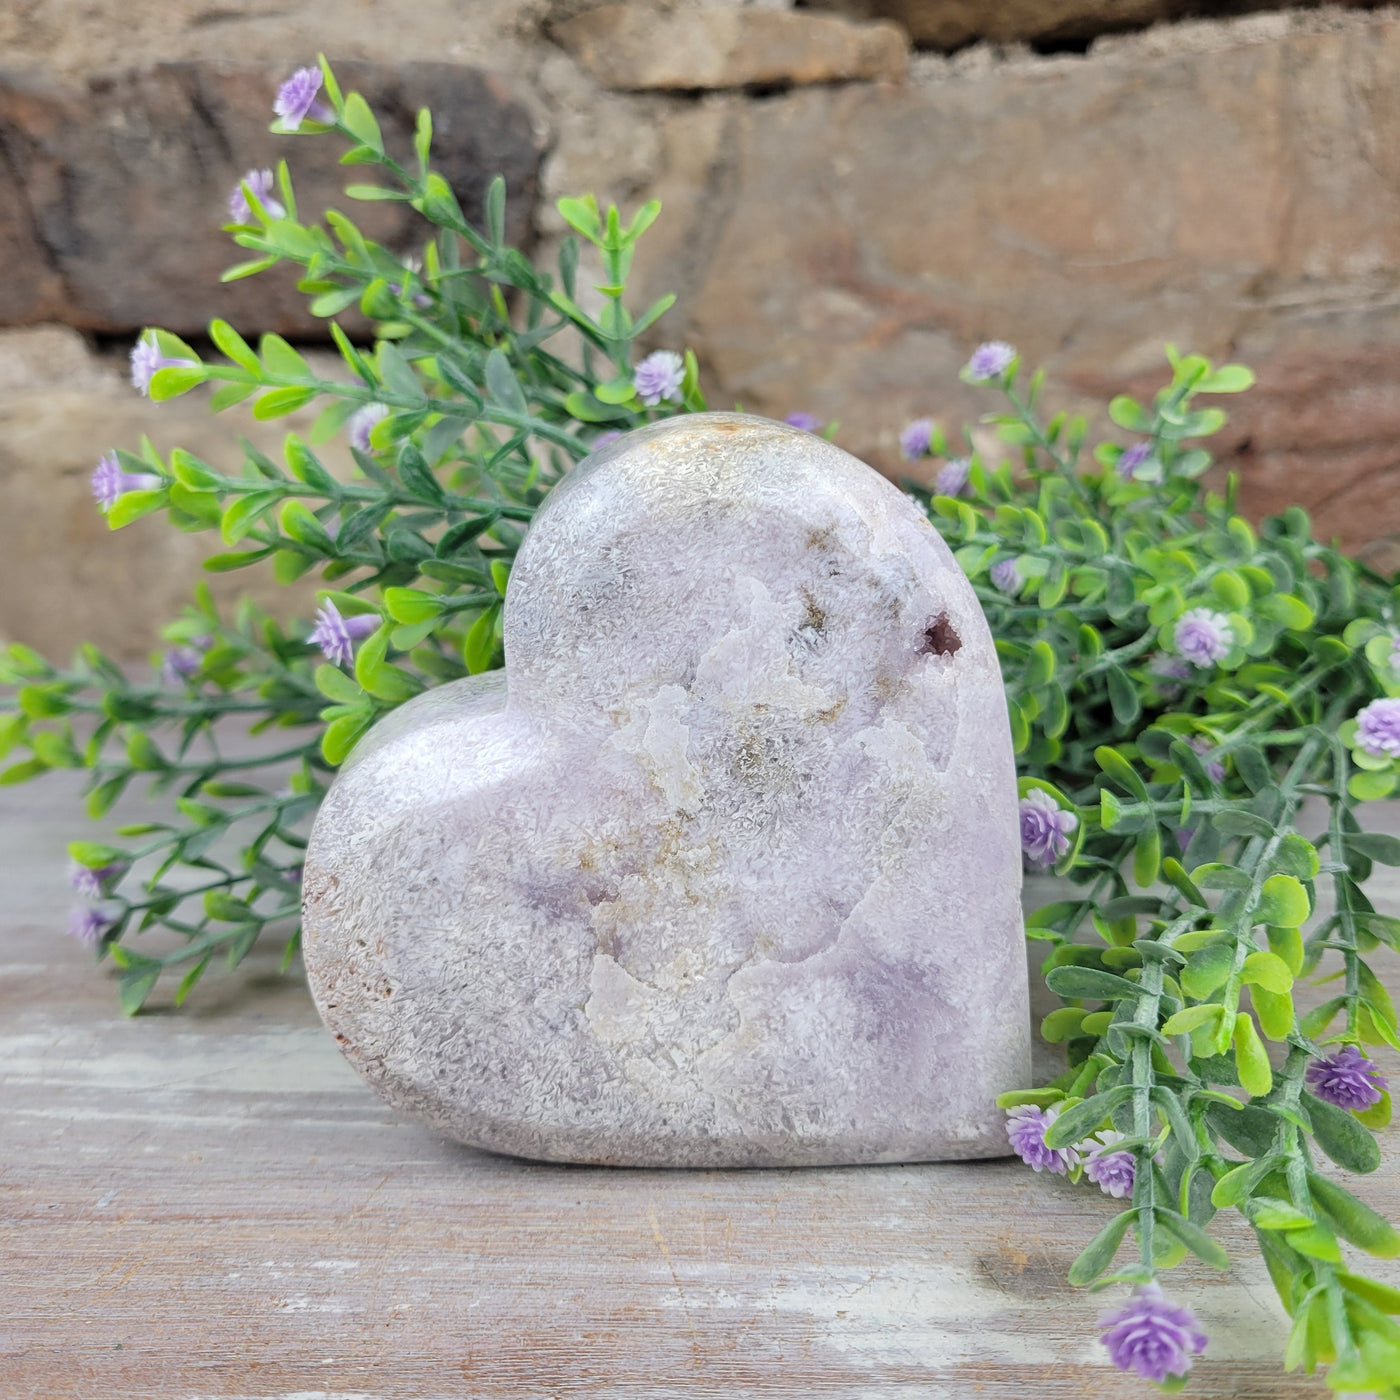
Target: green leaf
1075 1124
1098 1253
1370 787
1374 845
1297 856
1270 1213
342 734
1353 1219
1251 1059
1121 771
1191 1018
94 855
1238 1184
1269 971
281 360
1341 1137
1089 983
1206 969
1379 1295
480 641
1239 822
277 403
1317 1242
1228 379
503 386
132 505
1193 1237
359 121
1283 902
1147 856
335 685
174 380
1275 1012
1128 413
300 524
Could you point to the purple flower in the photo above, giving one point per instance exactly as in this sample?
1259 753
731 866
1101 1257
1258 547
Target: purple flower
1025 1127
1202 636
1152 1336
658 377
1045 829
1347 1079
361 421
916 440
953 477
181 662
336 636
990 361
1378 728
1132 458
90 881
87 924
261 184
146 359
603 439
296 100
1215 770
1006 576
808 422
1170 667
109 482
1112 1172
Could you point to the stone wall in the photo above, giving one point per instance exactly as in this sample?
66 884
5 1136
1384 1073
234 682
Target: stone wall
846 213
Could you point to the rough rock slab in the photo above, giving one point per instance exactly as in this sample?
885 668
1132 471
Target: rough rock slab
627 46
1233 188
728 876
112 193
949 24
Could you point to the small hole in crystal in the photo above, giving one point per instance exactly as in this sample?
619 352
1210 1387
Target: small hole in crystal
940 637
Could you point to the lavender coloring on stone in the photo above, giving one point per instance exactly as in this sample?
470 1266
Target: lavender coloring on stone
990 361
1026 1126
604 438
635 899
1046 828
1347 1079
336 635
1203 637
659 377
1153 1337
808 422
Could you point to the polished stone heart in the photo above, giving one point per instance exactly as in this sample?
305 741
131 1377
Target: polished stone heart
724 869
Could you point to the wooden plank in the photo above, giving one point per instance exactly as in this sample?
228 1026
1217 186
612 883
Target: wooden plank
208 1203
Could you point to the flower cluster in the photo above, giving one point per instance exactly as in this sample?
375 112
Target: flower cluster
1046 829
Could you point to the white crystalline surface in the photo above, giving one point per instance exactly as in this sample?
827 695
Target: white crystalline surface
724 869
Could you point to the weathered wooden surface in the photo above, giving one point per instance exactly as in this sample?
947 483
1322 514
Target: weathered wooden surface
209 1203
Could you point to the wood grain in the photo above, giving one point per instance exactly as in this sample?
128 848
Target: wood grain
210 1204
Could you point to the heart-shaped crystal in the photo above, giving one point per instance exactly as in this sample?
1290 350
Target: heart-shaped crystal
724 869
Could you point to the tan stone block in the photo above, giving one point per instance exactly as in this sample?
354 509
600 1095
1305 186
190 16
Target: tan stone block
629 46
1228 194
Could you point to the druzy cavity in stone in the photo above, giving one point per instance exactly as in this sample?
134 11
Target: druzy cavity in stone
723 870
